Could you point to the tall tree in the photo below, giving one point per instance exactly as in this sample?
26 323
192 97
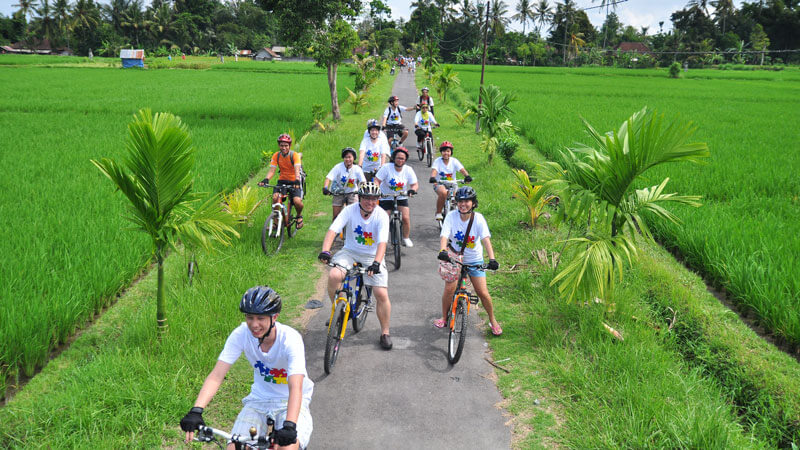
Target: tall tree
46 24
497 17
330 47
61 15
524 13
759 40
542 13
701 4
25 7
607 4
723 9
85 21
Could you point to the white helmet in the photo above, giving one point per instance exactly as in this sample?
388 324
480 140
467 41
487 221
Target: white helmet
369 189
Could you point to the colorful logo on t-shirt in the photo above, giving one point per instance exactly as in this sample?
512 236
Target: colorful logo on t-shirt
274 376
423 122
373 157
460 240
445 176
395 186
348 182
393 117
363 237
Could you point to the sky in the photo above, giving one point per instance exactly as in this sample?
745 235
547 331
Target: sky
637 13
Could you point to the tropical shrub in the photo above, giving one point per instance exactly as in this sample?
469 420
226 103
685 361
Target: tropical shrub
675 70
532 196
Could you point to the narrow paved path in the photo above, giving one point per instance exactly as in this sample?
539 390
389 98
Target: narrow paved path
410 396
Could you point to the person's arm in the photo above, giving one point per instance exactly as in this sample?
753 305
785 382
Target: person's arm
434 173
327 242
443 243
361 153
210 387
383 122
415 186
463 171
295 397
297 167
487 245
326 183
380 252
270 173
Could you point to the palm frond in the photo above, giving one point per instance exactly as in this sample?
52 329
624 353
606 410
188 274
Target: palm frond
206 225
650 200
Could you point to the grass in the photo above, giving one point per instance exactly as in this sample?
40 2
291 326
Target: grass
68 245
744 237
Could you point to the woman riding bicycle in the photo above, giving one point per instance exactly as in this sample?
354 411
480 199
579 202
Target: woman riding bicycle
343 180
398 177
454 240
374 150
393 119
281 387
423 123
445 167
288 164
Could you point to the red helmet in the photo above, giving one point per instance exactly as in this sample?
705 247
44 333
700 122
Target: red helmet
446 144
284 138
393 98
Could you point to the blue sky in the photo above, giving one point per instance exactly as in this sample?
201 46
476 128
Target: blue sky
632 12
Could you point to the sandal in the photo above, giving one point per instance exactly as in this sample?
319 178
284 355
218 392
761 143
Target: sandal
438 323
299 221
497 331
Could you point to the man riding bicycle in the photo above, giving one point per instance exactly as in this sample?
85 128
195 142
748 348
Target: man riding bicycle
343 180
398 177
444 168
374 150
393 119
423 123
365 242
426 98
288 164
281 387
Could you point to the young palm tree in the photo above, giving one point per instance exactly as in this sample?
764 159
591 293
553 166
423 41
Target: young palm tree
446 79
493 117
524 13
157 178
596 187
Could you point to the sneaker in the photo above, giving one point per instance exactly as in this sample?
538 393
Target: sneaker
438 216
407 242
386 342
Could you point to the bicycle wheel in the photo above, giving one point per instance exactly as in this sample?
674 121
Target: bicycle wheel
420 150
334 340
458 332
291 226
429 150
362 309
397 234
272 234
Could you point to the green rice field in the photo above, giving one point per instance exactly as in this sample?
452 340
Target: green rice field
745 236
67 248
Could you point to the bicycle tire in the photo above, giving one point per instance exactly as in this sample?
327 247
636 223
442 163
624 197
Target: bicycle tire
419 151
291 225
429 151
361 311
334 340
397 228
458 332
270 243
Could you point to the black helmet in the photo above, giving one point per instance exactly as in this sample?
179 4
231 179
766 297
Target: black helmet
399 149
467 193
393 98
260 300
347 150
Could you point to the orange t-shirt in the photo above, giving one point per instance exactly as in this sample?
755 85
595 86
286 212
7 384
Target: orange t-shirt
285 164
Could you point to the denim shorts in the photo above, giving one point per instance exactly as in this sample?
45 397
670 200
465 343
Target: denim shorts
473 272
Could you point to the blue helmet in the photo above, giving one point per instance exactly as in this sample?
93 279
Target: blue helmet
261 300
467 193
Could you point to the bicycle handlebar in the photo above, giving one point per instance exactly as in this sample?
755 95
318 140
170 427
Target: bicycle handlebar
356 268
483 266
206 434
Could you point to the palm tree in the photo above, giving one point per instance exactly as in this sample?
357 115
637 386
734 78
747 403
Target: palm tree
700 4
47 25
606 4
567 9
25 6
497 17
524 13
61 16
161 24
445 80
446 10
596 187
157 178
114 12
543 13
493 117
723 10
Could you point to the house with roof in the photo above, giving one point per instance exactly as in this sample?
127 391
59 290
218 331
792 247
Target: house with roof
636 47
266 54
36 46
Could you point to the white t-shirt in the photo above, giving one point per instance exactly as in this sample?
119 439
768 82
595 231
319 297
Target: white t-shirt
422 123
446 171
381 138
271 370
374 150
394 181
345 181
394 116
454 229
362 235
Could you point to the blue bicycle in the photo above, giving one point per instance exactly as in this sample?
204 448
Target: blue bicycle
352 303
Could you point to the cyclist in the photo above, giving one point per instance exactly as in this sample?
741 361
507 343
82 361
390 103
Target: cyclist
393 118
453 238
445 167
398 177
424 121
288 164
281 387
343 181
425 98
367 234
374 150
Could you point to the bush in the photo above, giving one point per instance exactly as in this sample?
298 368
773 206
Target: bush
508 146
675 70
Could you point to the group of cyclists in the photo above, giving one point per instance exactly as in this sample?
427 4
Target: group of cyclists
362 193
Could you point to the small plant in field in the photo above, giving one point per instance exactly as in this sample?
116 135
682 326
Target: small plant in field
358 100
242 203
507 146
533 196
318 113
675 70
493 117
445 80
595 185
157 177
461 119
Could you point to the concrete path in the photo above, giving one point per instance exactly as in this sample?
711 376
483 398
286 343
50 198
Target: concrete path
410 396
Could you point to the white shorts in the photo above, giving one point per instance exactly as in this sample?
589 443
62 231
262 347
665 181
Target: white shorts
255 412
346 258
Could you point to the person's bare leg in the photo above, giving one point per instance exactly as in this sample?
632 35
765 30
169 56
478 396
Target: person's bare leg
447 297
406 221
441 195
384 307
479 284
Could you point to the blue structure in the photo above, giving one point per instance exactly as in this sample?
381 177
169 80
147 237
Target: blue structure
132 58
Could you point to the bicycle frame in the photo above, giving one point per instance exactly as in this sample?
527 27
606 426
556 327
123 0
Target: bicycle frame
350 296
462 292
283 217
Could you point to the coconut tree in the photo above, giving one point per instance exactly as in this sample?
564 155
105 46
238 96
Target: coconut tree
722 10
157 178
524 13
446 79
607 4
542 13
493 117
597 187
497 17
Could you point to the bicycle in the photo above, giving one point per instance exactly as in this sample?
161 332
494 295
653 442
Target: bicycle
459 311
427 147
394 141
450 199
352 303
280 222
396 227
208 434
338 189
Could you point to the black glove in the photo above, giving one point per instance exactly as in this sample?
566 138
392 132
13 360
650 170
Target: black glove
375 267
467 179
192 419
326 191
286 435
324 257
263 182
432 180
443 256
412 192
493 265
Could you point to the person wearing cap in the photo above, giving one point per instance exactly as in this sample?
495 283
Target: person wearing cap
393 118
343 180
374 150
444 168
398 177
424 121
288 164
425 98
281 387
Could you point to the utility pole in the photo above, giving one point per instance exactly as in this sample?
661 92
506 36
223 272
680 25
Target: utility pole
483 65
